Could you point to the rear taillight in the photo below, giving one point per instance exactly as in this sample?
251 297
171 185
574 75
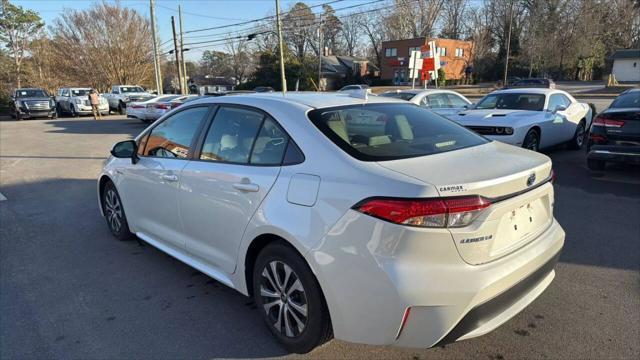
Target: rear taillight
603 120
433 213
162 106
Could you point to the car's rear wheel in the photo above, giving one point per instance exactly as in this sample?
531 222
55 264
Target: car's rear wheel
121 109
595 165
114 213
531 140
578 137
289 298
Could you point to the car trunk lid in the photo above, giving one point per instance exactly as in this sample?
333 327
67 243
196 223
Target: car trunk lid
621 125
514 179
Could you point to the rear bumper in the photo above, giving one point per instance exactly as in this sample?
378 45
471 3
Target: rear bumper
627 154
372 271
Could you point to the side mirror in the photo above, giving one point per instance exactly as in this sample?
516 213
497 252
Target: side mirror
126 149
559 108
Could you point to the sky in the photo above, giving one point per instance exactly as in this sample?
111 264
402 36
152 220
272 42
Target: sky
197 14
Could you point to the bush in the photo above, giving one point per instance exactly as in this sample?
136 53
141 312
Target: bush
442 77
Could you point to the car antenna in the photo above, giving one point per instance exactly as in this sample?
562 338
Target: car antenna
360 94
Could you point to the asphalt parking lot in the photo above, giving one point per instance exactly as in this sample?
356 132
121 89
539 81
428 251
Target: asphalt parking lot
69 290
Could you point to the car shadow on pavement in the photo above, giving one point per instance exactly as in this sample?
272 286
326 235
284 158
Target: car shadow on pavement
70 290
111 125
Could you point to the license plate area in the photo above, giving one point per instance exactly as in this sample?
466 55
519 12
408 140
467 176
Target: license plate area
521 224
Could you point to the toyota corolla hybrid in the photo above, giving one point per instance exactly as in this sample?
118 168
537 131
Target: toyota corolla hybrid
530 118
365 218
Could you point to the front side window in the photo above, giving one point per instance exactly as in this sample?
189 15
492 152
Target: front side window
378 132
173 137
557 101
512 101
231 135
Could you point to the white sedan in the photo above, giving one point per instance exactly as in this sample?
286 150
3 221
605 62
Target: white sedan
154 108
341 215
444 102
532 118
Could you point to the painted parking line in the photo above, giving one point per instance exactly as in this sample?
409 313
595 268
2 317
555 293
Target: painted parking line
2 197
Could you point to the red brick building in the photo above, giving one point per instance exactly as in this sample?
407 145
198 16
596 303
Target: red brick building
455 54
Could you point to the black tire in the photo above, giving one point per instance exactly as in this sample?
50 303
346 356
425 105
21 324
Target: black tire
121 109
532 140
577 142
114 213
58 110
595 165
316 328
72 111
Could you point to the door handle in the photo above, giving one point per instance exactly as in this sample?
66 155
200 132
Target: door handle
246 186
170 177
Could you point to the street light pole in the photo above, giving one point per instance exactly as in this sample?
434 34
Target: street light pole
184 89
175 48
320 52
156 57
506 60
283 80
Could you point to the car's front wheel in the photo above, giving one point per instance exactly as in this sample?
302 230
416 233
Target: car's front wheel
121 109
289 298
114 213
72 111
577 141
531 140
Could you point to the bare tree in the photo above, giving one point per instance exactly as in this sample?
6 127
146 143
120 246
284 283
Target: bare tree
17 28
104 45
299 29
240 60
350 35
455 12
372 24
411 19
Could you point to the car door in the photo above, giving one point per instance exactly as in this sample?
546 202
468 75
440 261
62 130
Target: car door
150 186
573 115
63 100
558 124
239 161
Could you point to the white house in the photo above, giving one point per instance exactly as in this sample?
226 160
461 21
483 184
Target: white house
626 65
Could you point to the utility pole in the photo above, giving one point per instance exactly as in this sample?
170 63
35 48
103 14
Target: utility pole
506 60
185 88
175 48
320 53
156 57
283 80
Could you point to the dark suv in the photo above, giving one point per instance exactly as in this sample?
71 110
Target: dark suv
615 132
32 103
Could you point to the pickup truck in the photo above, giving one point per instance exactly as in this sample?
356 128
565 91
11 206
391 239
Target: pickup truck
121 95
32 103
75 101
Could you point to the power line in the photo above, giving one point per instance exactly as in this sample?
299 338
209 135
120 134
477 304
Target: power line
200 15
260 19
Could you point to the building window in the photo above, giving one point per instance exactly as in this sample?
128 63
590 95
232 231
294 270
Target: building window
391 52
412 49
459 52
443 51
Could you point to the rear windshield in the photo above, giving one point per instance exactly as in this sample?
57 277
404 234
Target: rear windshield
512 101
628 100
397 95
377 132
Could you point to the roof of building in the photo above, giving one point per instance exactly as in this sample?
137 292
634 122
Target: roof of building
341 64
626 54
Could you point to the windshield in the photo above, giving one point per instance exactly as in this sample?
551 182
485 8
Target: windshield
512 101
27 93
377 132
131 89
80 92
628 100
399 95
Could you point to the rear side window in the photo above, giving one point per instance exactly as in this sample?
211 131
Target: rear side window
270 144
232 135
439 101
173 137
377 132
628 100
456 101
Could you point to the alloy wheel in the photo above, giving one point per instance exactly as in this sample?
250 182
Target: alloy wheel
284 299
531 141
580 136
113 210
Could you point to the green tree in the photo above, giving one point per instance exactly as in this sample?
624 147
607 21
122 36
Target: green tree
17 28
